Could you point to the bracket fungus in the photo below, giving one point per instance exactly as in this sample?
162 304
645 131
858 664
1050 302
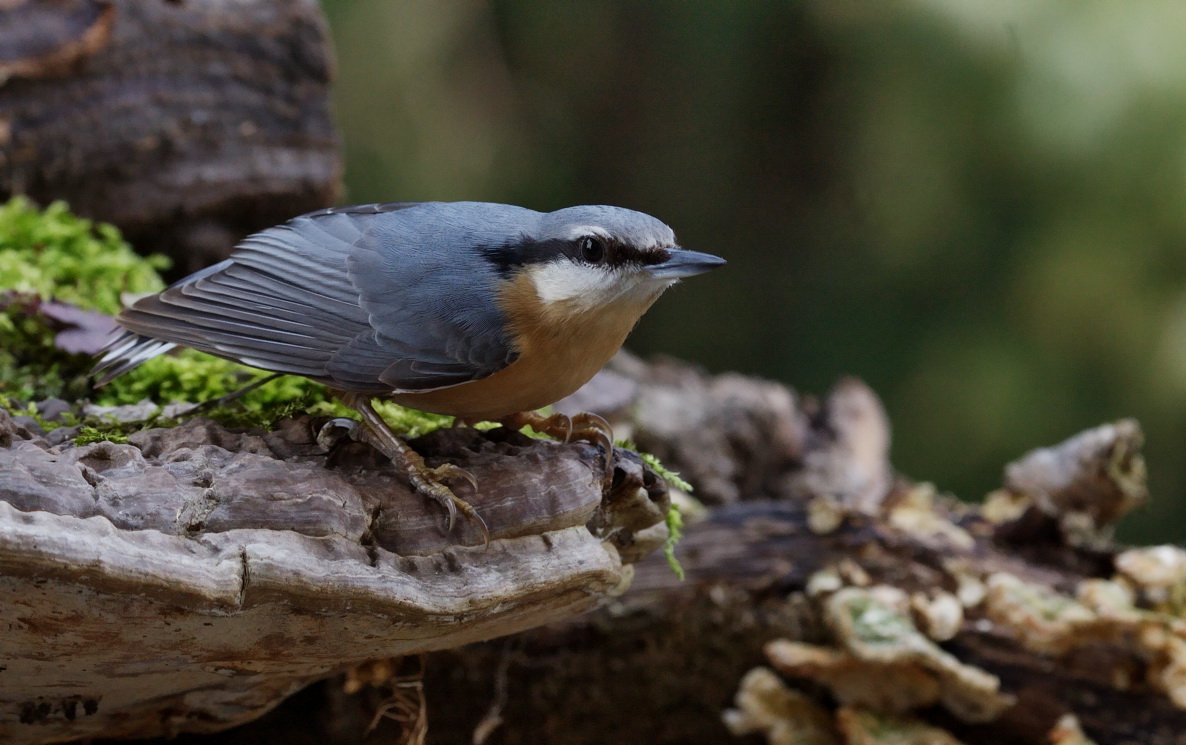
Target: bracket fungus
193 577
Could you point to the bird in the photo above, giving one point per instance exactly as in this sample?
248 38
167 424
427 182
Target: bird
480 311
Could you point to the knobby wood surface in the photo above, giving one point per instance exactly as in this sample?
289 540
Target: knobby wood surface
1018 619
805 508
192 578
187 124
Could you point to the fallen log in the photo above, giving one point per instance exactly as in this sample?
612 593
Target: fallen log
827 600
192 578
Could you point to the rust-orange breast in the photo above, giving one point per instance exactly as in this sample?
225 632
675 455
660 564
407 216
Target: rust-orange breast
560 349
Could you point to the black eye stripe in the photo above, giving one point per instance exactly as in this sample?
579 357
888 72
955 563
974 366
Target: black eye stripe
508 257
652 256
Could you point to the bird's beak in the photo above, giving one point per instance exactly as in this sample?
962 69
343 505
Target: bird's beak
683 263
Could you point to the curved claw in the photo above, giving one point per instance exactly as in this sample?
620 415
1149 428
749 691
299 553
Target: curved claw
587 426
451 506
425 480
557 426
456 504
590 422
451 471
426 484
333 432
594 429
482 527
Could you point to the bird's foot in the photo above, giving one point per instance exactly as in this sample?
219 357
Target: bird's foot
429 482
585 426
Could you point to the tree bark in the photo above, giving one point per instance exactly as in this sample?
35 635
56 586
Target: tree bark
186 124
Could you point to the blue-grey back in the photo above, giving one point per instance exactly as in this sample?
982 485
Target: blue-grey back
431 294
369 298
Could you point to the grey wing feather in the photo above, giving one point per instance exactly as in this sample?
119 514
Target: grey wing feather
328 297
283 302
431 297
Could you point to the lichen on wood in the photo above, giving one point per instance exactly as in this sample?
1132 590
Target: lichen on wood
1005 627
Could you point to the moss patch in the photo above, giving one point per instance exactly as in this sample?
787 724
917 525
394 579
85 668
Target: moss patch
675 531
671 477
87 435
55 255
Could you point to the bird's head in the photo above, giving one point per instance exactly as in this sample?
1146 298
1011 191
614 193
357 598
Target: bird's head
597 258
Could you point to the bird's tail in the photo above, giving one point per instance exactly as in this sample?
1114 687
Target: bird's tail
124 352
129 349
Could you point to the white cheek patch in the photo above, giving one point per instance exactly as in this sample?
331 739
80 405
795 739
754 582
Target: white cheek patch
585 285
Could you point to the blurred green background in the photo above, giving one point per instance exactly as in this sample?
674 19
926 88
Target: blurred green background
977 206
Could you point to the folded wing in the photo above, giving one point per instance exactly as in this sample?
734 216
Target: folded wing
348 297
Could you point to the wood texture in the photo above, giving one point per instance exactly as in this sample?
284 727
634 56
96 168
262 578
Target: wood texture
187 124
192 578
829 601
1015 621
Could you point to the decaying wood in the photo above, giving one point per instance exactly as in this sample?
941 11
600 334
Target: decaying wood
192 578
893 614
187 124
736 437
1014 622
828 600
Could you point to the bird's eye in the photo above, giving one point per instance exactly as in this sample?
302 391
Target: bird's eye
592 250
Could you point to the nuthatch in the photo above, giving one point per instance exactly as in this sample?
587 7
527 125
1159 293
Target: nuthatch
479 311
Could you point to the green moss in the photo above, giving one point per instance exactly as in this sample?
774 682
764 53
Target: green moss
55 255
184 376
31 367
195 377
52 254
87 435
675 531
18 408
671 477
410 422
674 518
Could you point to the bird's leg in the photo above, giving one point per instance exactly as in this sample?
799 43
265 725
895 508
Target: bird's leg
585 426
425 480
